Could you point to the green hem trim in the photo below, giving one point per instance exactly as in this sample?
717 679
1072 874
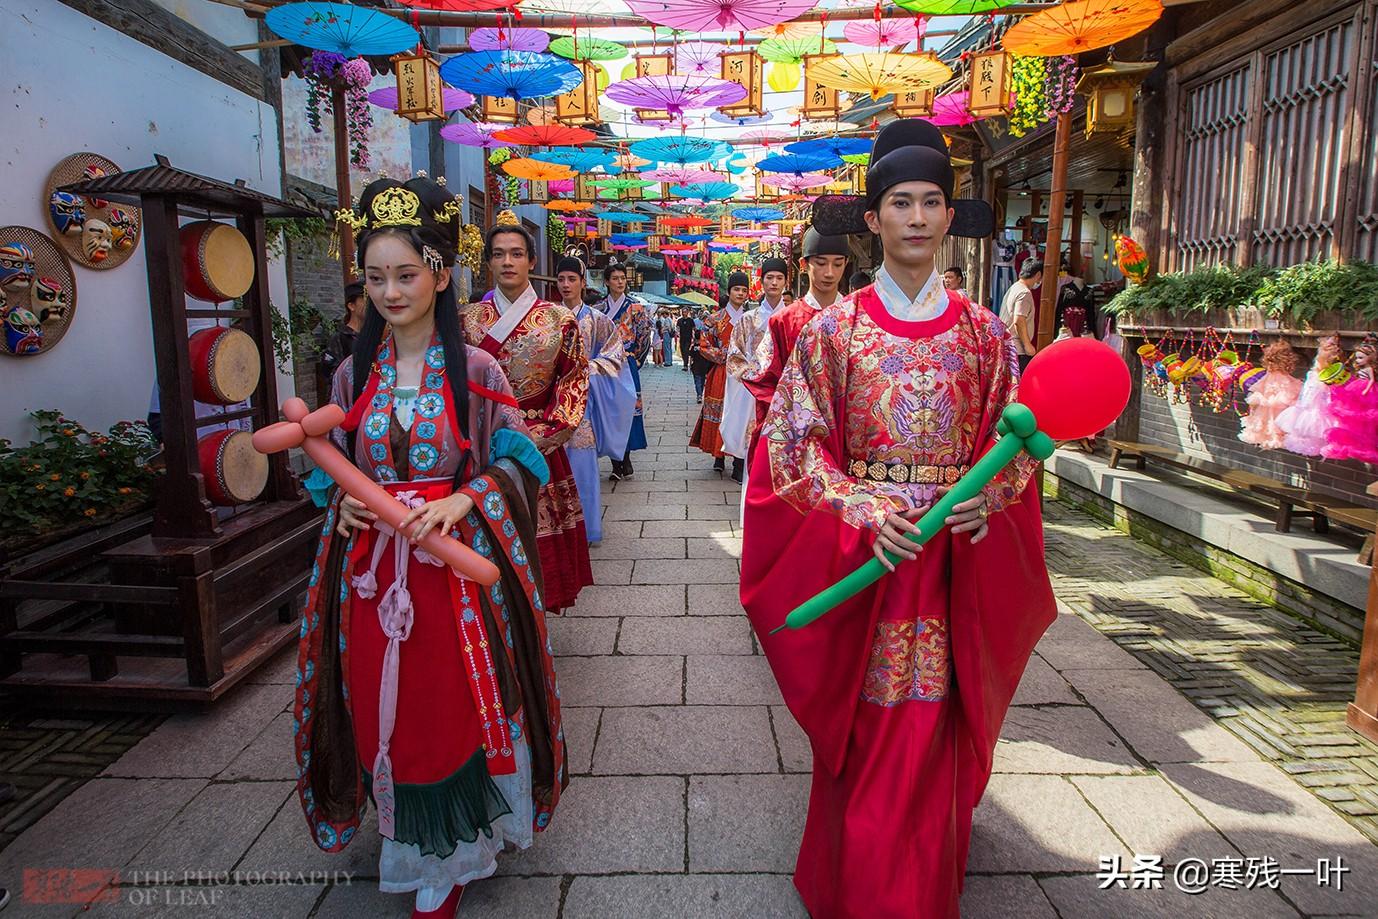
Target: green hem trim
437 816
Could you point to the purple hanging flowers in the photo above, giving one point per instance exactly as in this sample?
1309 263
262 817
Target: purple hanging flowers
1060 84
323 70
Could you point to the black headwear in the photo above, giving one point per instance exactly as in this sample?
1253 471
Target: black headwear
570 263
907 150
816 243
775 264
738 279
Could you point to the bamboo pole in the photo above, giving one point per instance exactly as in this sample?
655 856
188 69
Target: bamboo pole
1057 203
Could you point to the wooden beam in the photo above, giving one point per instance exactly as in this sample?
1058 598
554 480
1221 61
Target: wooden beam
151 24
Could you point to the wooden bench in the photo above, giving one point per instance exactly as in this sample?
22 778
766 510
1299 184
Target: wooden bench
1291 501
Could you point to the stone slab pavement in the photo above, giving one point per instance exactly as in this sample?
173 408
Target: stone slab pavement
691 779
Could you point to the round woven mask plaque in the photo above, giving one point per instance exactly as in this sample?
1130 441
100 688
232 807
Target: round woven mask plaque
94 232
38 292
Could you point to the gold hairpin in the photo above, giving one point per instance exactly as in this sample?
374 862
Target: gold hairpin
396 207
448 211
348 215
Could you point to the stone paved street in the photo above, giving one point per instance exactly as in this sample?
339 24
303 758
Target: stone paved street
691 779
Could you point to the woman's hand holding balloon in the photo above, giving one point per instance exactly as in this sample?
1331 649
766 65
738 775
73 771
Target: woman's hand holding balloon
354 515
441 515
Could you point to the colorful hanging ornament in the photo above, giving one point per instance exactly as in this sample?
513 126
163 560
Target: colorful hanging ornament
1132 259
1272 391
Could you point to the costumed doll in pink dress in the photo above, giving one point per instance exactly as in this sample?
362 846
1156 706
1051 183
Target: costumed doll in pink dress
1306 424
1355 404
1272 395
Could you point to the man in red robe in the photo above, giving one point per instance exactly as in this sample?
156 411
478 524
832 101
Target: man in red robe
886 400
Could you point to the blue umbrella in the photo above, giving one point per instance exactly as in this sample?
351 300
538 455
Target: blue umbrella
708 191
830 146
693 237
784 162
679 150
341 28
736 164
758 214
578 160
628 239
624 217
511 74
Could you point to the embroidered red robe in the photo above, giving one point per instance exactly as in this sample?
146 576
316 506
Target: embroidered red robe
903 689
713 345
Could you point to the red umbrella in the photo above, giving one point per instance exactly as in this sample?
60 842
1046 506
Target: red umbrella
545 135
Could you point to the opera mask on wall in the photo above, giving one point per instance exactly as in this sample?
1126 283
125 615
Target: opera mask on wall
96 172
122 228
16 266
49 299
68 212
96 240
23 332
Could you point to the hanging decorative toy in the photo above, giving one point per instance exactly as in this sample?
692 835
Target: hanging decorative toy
1355 404
1271 389
1307 423
1132 259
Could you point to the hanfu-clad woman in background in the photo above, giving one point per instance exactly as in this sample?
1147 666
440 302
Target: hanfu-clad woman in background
431 695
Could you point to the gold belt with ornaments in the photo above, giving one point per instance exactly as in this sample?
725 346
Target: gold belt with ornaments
905 473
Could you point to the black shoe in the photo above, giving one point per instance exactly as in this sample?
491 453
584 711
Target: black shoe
627 470
737 466
616 471
4 897
719 465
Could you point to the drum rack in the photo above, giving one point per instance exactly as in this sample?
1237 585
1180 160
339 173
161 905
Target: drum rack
175 611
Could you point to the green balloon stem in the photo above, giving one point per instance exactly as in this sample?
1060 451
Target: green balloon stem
1009 446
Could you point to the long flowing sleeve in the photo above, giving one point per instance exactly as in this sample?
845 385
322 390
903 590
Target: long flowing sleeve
606 354
803 437
714 341
749 350
639 343
569 393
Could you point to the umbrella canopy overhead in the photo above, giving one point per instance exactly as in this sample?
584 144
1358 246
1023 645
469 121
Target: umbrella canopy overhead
580 160
758 214
954 7
459 6
798 164
674 93
537 170
625 217
511 74
680 150
892 32
546 135
341 28
621 183
719 15
699 57
831 146
708 191
567 205
475 134
797 183
508 40
786 50
882 73
1080 25
584 48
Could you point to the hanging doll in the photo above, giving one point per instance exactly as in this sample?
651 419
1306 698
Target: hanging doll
1355 404
1277 391
1306 423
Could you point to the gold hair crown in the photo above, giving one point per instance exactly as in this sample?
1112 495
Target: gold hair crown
396 207
507 219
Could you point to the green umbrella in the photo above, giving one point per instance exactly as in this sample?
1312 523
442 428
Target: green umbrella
859 159
621 184
784 50
953 7
588 49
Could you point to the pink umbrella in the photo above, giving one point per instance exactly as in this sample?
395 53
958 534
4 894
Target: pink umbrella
797 183
766 136
699 57
682 176
578 220
560 186
725 15
953 110
752 234
508 40
454 99
884 33
475 134
674 93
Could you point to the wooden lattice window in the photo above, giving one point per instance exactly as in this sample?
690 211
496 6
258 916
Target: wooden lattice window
1366 208
1211 172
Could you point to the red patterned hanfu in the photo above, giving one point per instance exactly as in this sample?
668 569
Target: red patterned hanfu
903 689
430 694
713 345
544 359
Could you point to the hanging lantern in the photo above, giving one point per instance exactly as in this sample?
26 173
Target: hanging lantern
744 68
989 89
654 65
583 190
653 244
765 192
857 179
918 104
579 106
1111 88
540 191
419 87
604 227
820 102
500 109
725 225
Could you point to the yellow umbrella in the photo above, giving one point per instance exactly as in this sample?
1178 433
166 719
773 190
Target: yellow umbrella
1080 25
694 296
537 170
881 73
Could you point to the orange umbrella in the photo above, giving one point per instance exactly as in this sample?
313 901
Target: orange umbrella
545 135
1080 25
564 204
537 170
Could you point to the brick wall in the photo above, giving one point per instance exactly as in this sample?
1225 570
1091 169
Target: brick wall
1201 432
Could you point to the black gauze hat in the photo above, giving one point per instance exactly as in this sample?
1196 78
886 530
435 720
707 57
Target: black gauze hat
775 264
738 279
906 150
570 263
815 243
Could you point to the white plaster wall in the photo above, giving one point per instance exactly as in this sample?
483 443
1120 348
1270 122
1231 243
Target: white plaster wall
73 84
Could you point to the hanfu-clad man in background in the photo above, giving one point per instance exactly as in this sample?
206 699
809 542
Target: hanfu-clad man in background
739 406
888 398
713 345
635 326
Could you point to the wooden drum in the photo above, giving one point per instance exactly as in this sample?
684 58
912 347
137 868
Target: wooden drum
233 470
225 365
217 261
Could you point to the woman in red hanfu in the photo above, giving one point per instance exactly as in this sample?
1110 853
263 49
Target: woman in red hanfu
713 345
431 695
887 398
539 347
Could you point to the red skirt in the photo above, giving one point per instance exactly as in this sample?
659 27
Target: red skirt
561 540
707 436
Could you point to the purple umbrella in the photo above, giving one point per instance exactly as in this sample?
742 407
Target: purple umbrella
455 99
508 40
674 93
724 15
797 183
699 57
475 134
682 175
